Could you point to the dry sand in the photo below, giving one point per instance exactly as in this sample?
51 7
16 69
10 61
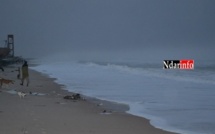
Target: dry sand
49 113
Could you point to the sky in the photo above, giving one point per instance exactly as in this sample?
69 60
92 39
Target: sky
110 29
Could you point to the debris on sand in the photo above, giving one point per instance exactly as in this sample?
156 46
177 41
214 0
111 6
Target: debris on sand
73 97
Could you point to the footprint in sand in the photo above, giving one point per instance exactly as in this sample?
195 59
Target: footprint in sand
43 131
24 131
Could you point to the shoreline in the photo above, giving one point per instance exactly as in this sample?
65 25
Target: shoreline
88 114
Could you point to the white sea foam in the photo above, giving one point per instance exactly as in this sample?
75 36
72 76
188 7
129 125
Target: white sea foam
174 100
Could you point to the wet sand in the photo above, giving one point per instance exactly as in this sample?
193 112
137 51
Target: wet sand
45 111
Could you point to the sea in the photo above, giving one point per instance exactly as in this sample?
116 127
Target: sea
181 101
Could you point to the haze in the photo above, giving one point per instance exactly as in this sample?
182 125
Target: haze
110 29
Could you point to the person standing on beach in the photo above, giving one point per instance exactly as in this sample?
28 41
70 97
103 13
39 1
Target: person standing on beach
25 75
18 75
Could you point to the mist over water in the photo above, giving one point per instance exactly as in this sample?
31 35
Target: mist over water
141 56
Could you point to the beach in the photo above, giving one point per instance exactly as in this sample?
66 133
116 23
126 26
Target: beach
45 111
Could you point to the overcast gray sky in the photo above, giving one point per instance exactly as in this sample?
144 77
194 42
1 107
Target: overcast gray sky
139 28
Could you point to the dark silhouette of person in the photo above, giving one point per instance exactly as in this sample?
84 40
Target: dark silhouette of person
25 74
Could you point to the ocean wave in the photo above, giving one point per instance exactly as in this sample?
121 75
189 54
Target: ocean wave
202 74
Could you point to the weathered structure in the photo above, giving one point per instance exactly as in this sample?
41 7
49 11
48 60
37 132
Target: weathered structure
8 49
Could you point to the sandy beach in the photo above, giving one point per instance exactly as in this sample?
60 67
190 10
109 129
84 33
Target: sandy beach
45 111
